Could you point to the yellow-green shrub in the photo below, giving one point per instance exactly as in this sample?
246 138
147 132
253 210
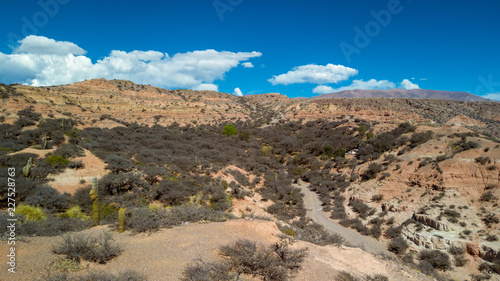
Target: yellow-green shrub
31 213
74 212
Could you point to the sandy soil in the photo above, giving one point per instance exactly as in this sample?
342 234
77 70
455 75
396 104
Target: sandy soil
164 254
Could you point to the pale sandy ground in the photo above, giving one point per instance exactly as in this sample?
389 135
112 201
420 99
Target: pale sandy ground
164 254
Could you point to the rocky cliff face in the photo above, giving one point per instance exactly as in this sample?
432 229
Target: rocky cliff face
431 222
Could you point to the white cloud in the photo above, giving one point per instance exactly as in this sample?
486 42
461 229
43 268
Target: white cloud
322 89
206 87
247 64
406 84
33 44
492 96
371 84
237 92
42 61
317 74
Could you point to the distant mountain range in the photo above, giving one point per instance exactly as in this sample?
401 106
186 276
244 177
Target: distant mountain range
402 93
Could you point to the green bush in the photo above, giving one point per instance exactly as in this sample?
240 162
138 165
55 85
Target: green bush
229 130
74 212
31 213
57 161
290 232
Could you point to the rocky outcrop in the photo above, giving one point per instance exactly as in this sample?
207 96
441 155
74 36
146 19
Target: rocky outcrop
473 249
430 241
430 222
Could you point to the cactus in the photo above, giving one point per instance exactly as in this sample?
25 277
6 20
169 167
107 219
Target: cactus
275 176
28 167
121 220
94 195
62 124
44 142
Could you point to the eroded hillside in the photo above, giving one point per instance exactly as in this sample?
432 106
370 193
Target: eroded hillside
416 175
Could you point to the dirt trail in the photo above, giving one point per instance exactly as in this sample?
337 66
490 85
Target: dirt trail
353 238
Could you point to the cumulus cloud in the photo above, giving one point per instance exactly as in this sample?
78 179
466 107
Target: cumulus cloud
206 87
44 46
316 74
237 92
492 96
371 84
322 89
247 64
41 61
406 84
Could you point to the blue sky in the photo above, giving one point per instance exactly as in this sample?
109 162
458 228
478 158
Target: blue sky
297 48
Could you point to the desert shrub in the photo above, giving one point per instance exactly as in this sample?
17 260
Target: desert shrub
229 130
315 233
238 176
31 213
377 197
69 151
490 267
460 261
81 197
491 238
408 258
118 164
463 145
376 231
345 276
42 170
203 271
372 171
456 251
482 160
275 262
360 207
452 215
29 113
290 232
53 226
78 247
24 122
377 277
193 213
491 168
57 161
73 212
128 275
489 186
174 192
108 213
146 219
153 174
76 165
338 213
244 136
423 163
490 219
48 197
114 184
426 268
488 197
436 258
398 245
420 138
